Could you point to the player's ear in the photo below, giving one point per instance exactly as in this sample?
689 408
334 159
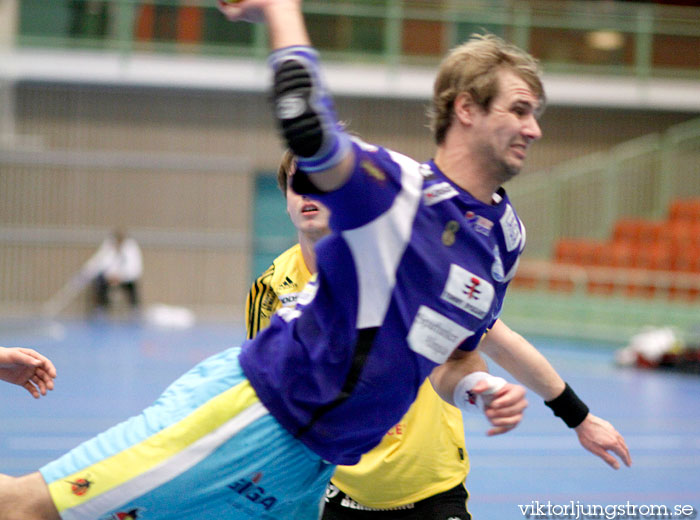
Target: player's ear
464 107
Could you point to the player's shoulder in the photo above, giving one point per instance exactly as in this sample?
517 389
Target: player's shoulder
381 153
377 162
279 265
288 265
265 277
290 256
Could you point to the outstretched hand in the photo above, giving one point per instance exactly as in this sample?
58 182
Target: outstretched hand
27 368
599 437
504 409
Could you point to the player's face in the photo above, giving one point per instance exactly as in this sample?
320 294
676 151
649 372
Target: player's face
309 216
510 126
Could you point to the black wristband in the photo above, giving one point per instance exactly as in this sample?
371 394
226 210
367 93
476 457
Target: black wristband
569 407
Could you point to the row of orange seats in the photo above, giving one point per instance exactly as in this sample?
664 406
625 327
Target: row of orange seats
606 285
658 256
645 289
672 245
180 23
678 232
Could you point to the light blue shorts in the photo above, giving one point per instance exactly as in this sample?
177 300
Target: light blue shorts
207 448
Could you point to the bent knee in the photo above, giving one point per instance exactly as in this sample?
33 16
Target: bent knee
26 498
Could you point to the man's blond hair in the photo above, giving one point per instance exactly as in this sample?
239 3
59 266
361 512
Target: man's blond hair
473 68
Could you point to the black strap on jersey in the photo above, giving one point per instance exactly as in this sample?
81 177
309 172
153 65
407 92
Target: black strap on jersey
363 346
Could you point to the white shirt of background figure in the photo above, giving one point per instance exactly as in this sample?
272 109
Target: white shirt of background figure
118 259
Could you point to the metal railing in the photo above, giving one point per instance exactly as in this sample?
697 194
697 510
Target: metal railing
568 36
584 197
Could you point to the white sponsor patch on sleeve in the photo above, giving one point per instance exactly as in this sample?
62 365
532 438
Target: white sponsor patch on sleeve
513 270
308 292
469 292
434 336
511 229
438 192
288 313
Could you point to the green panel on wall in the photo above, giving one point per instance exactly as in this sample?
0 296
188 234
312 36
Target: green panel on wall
42 18
273 232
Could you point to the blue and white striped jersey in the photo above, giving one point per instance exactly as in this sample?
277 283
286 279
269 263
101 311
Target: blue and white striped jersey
415 268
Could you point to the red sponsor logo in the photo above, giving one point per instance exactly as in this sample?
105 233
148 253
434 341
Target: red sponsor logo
80 486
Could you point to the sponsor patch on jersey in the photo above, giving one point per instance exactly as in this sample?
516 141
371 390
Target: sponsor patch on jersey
331 491
513 270
511 229
426 172
370 169
449 235
288 300
268 303
249 489
287 283
481 224
308 292
130 514
497 271
438 192
468 291
435 336
80 486
288 313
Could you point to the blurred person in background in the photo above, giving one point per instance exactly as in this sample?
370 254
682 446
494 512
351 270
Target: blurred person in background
117 264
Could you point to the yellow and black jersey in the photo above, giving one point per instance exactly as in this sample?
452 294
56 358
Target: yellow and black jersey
277 287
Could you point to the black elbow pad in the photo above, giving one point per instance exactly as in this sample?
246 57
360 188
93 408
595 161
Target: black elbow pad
293 97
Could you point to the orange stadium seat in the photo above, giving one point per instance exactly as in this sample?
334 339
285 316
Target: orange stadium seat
588 252
620 254
565 251
685 258
655 256
683 232
685 209
144 22
637 229
189 24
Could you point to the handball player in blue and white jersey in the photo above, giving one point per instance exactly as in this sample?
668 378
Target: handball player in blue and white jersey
412 276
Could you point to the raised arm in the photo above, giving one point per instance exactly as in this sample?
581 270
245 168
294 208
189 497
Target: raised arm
302 103
521 359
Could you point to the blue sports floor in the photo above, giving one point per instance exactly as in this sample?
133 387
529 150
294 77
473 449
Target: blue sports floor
111 370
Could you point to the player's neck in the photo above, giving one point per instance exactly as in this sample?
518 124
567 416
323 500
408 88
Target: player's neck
462 168
307 244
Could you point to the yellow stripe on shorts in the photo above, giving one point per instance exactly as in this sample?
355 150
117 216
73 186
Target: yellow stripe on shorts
209 426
